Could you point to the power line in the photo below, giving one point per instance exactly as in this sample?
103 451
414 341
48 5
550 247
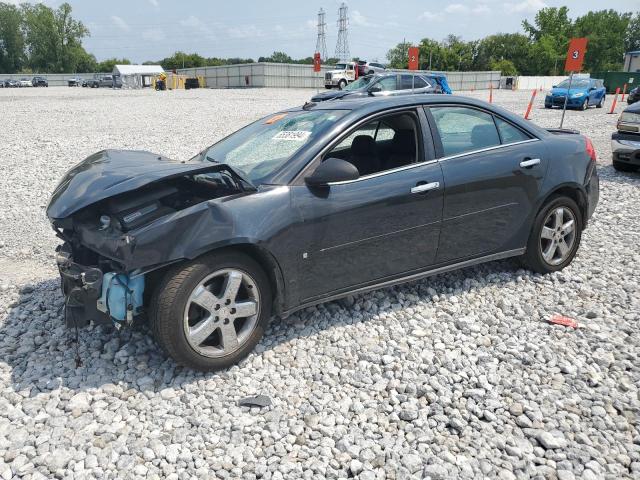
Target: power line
342 46
321 43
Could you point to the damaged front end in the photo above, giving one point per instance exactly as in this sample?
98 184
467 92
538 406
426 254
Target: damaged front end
123 215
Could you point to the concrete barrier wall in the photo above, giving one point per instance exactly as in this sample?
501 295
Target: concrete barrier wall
285 75
529 83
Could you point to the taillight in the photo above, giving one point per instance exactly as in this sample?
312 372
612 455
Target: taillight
590 150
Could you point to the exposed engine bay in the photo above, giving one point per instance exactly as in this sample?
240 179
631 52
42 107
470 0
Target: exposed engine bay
100 280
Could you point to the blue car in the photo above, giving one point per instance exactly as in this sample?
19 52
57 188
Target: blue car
584 93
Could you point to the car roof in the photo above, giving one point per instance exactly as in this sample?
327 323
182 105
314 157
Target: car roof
373 104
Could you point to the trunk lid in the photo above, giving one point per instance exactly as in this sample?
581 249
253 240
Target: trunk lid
112 172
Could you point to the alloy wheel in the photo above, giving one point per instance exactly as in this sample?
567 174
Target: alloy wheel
558 235
221 313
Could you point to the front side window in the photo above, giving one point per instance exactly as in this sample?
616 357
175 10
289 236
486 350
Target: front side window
380 145
406 82
362 82
387 84
464 129
262 147
420 82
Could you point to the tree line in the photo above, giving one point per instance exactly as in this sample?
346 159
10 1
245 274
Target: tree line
540 50
38 38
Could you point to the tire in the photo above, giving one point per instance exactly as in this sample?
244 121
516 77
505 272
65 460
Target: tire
328 87
584 105
535 258
174 314
624 167
341 84
601 102
547 106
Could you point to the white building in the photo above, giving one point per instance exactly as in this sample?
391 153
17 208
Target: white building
137 76
632 61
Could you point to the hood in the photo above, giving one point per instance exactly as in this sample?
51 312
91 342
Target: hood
335 94
633 108
563 91
112 172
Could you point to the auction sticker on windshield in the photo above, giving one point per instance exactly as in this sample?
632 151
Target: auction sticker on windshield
293 135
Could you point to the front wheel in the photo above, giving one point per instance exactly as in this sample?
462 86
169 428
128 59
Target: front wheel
342 84
601 102
210 313
555 237
584 105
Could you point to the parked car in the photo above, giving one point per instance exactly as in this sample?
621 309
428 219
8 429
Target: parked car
625 143
108 81
74 81
10 83
312 204
584 93
39 82
369 68
634 96
385 84
24 82
3 83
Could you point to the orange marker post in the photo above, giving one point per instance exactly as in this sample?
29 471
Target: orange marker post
533 97
615 101
624 90
490 92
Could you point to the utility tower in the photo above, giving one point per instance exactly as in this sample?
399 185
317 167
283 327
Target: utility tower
321 43
342 47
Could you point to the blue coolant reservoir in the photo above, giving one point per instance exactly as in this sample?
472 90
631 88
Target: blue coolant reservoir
121 294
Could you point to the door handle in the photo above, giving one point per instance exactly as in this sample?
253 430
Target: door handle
530 162
425 187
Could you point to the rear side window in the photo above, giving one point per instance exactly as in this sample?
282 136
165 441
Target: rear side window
463 129
406 82
420 83
509 133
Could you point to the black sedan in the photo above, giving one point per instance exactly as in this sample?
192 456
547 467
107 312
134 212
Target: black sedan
634 96
39 82
382 84
309 205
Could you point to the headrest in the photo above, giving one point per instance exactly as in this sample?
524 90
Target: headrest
404 141
363 145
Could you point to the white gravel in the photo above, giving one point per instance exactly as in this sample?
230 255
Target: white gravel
458 376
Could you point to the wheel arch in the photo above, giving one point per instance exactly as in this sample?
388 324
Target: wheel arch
575 192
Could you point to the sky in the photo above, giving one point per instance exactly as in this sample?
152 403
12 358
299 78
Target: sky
153 29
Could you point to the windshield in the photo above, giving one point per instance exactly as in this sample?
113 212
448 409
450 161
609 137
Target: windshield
575 84
360 83
262 147
341 66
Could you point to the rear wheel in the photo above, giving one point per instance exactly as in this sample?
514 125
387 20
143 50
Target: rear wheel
210 313
555 236
624 167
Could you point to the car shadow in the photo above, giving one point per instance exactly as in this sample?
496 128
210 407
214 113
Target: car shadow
40 352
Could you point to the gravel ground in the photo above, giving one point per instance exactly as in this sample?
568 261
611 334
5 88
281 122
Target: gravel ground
457 376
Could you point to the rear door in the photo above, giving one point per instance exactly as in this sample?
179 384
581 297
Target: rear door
492 172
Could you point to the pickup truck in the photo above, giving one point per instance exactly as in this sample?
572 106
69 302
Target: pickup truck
104 81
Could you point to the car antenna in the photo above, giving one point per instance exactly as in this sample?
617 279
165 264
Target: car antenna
308 105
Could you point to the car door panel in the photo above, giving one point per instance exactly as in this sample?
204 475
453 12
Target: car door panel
488 197
362 231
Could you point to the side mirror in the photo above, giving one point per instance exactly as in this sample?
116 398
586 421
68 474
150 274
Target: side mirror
592 89
332 170
554 86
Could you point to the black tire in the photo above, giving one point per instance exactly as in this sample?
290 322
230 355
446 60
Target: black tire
584 105
169 302
547 106
624 167
601 102
341 84
533 258
328 87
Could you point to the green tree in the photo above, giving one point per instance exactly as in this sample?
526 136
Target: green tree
506 67
12 43
606 30
511 47
398 56
106 66
632 36
53 38
277 57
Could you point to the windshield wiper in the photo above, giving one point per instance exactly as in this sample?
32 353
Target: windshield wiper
242 182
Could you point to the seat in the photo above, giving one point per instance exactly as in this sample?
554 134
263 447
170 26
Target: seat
364 155
403 149
483 136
